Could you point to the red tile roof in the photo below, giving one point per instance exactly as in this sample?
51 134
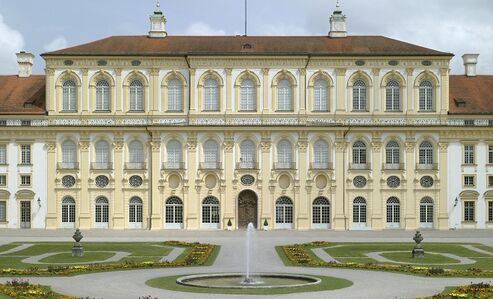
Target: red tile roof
19 96
247 45
476 94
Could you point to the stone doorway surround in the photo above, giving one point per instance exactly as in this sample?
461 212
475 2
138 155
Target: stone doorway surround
247 208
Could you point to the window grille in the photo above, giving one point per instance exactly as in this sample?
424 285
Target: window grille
211 95
321 211
320 96
392 101
174 210
102 152
135 214
490 154
102 96
426 96
248 101
3 154
284 96
490 181
469 213
425 153
468 154
359 96
393 210
490 211
174 152
284 154
136 96
210 210
136 152
284 210
3 180
175 95
69 153
469 181
102 210
359 210
69 102
68 210
359 152
211 154
25 180
392 153
321 154
26 154
426 210
248 154
3 211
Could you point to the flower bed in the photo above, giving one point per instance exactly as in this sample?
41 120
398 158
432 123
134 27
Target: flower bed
473 291
21 289
198 255
298 255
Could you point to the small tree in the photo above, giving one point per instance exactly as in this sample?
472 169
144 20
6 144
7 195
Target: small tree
265 222
230 223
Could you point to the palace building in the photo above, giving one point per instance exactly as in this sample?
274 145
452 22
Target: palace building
184 132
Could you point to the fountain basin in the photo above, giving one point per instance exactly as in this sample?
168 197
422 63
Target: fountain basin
236 281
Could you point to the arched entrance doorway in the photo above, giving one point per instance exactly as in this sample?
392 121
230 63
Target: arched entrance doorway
247 208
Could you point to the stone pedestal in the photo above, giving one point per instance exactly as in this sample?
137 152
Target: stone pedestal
418 253
77 249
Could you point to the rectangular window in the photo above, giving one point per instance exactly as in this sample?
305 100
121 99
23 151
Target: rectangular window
490 181
3 154
490 154
26 154
469 154
490 211
469 181
25 180
3 180
469 210
3 211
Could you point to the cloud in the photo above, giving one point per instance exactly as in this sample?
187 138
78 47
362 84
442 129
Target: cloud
11 42
201 28
56 44
281 29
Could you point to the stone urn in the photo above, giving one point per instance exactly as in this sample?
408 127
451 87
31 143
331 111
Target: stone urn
77 249
418 251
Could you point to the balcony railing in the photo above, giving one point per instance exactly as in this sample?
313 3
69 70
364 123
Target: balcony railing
173 166
321 165
360 166
247 165
393 166
135 165
430 166
285 165
101 165
68 165
210 165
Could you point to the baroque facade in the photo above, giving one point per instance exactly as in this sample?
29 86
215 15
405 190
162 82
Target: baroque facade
173 132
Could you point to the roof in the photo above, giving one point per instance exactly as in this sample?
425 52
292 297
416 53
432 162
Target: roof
247 45
19 96
475 94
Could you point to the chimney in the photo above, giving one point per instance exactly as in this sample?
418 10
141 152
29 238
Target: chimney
158 23
25 61
338 23
470 61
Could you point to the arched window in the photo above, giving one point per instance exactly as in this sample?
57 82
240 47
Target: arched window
69 155
248 157
211 154
210 211
393 211
211 95
102 96
248 100
174 212
321 211
136 96
175 95
425 153
284 212
284 155
174 152
102 212
359 210
69 96
426 212
284 95
360 102
392 98
426 96
102 158
135 214
321 155
359 152
321 96
392 153
68 212
136 155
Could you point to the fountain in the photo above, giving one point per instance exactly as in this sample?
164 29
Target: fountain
248 280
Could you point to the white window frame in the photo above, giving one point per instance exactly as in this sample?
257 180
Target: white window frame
3 180
26 157
392 96
3 211
69 96
360 213
392 153
211 213
248 154
285 154
426 96
284 96
136 90
3 154
68 212
360 96
175 95
103 95
211 95
174 153
101 212
393 212
426 212
469 154
248 96
321 96
25 180
135 213
321 213
173 213
426 150
469 210
284 213
360 153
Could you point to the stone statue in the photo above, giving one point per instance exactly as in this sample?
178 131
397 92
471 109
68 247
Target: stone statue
418 251
77 249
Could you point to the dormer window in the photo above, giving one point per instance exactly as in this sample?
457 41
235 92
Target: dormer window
460 103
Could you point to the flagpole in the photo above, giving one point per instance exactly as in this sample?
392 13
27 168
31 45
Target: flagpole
246 18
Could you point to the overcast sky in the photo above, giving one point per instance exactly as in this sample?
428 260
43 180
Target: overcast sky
457 26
